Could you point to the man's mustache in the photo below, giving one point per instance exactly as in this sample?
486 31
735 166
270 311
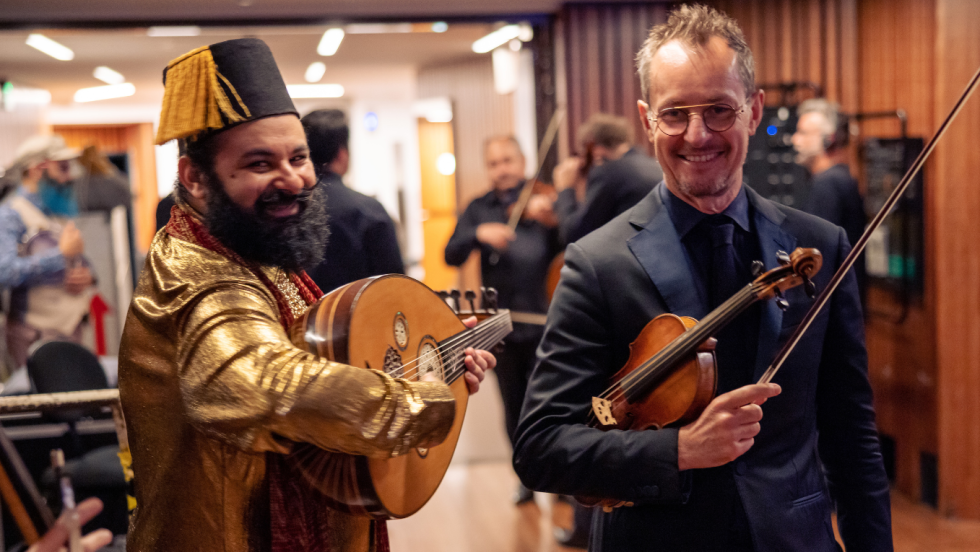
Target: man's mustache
282 198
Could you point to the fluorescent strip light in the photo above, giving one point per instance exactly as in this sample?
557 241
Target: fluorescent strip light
108 76
50 47
330 42
108 92
378 28
315 71
189 30
315 90
497 38
13 96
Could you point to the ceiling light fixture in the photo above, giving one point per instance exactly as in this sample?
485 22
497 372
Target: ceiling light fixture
497 38
315 71
50 47
330 42
315 90
108 76
440 27
378 28
108 92
186 30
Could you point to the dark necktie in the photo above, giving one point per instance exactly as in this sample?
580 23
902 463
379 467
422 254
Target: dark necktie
724 265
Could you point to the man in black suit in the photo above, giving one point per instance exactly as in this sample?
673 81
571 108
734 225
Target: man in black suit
362 240
620 176
730 480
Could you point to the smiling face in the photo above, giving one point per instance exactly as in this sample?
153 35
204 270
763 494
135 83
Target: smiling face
258 193
265 164
702 167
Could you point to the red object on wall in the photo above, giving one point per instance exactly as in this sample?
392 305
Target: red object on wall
97 310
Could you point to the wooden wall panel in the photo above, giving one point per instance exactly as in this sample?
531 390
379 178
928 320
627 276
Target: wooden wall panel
600 44
957 198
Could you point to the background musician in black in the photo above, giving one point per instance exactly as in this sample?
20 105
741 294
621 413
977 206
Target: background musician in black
362 239
612 176
514 262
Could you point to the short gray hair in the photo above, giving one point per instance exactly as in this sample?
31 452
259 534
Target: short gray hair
694 26
828 109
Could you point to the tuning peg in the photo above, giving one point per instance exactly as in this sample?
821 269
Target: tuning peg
471 298
491 304
781 301
782 257
809 287
483 297
444 295
757 268
454 293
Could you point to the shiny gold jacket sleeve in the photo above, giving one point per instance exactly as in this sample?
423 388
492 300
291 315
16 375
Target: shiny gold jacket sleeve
243 382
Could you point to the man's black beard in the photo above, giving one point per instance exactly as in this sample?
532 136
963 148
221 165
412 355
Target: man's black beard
296 242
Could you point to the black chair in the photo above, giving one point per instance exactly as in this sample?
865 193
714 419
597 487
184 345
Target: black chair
57 367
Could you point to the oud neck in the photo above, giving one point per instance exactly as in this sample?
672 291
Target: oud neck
482 336
659 366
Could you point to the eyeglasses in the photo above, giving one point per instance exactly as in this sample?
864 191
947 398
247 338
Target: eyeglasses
673 121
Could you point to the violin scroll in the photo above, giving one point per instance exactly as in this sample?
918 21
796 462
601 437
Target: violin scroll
795 269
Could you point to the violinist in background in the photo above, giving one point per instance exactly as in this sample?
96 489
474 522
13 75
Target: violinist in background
612 176
732 479
515 262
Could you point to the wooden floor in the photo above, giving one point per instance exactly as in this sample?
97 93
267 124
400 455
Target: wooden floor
472 510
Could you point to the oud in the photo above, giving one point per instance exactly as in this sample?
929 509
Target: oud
397 325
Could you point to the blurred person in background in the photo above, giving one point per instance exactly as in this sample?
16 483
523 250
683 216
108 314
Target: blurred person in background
362 240
820 140
103 187
611 176
41 249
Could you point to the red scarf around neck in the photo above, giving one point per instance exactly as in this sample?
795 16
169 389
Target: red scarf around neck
298 512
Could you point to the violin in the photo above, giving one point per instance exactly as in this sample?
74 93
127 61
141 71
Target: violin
670 376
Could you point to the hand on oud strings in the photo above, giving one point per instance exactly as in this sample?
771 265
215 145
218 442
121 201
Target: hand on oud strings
478 362
56 538
726 429
495 234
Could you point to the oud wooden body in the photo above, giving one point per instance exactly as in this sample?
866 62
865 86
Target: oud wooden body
357 325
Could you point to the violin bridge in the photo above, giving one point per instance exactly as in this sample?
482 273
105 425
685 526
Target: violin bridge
602 408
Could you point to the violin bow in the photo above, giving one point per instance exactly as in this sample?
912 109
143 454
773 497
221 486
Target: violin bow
862 242
546 142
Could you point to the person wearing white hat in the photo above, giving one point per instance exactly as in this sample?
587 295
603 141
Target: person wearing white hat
41 250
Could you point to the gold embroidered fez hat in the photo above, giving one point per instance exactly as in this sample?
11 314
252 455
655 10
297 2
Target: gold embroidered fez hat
216 87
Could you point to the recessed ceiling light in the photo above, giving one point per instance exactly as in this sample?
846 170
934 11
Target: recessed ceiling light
50 47
186 30
315 90
315 71
97 93
497 38
440 27
108 76
330 42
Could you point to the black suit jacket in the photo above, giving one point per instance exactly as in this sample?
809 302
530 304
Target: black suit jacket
617 279
612 188
362 239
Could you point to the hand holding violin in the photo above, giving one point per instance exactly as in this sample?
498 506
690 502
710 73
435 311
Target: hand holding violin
726 429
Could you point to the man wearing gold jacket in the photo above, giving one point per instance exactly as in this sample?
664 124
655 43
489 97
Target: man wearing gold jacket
213 391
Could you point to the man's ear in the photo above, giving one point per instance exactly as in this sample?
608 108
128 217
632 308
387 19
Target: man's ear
646 119
192 178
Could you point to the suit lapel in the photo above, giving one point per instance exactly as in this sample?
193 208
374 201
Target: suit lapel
658 249
772 238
